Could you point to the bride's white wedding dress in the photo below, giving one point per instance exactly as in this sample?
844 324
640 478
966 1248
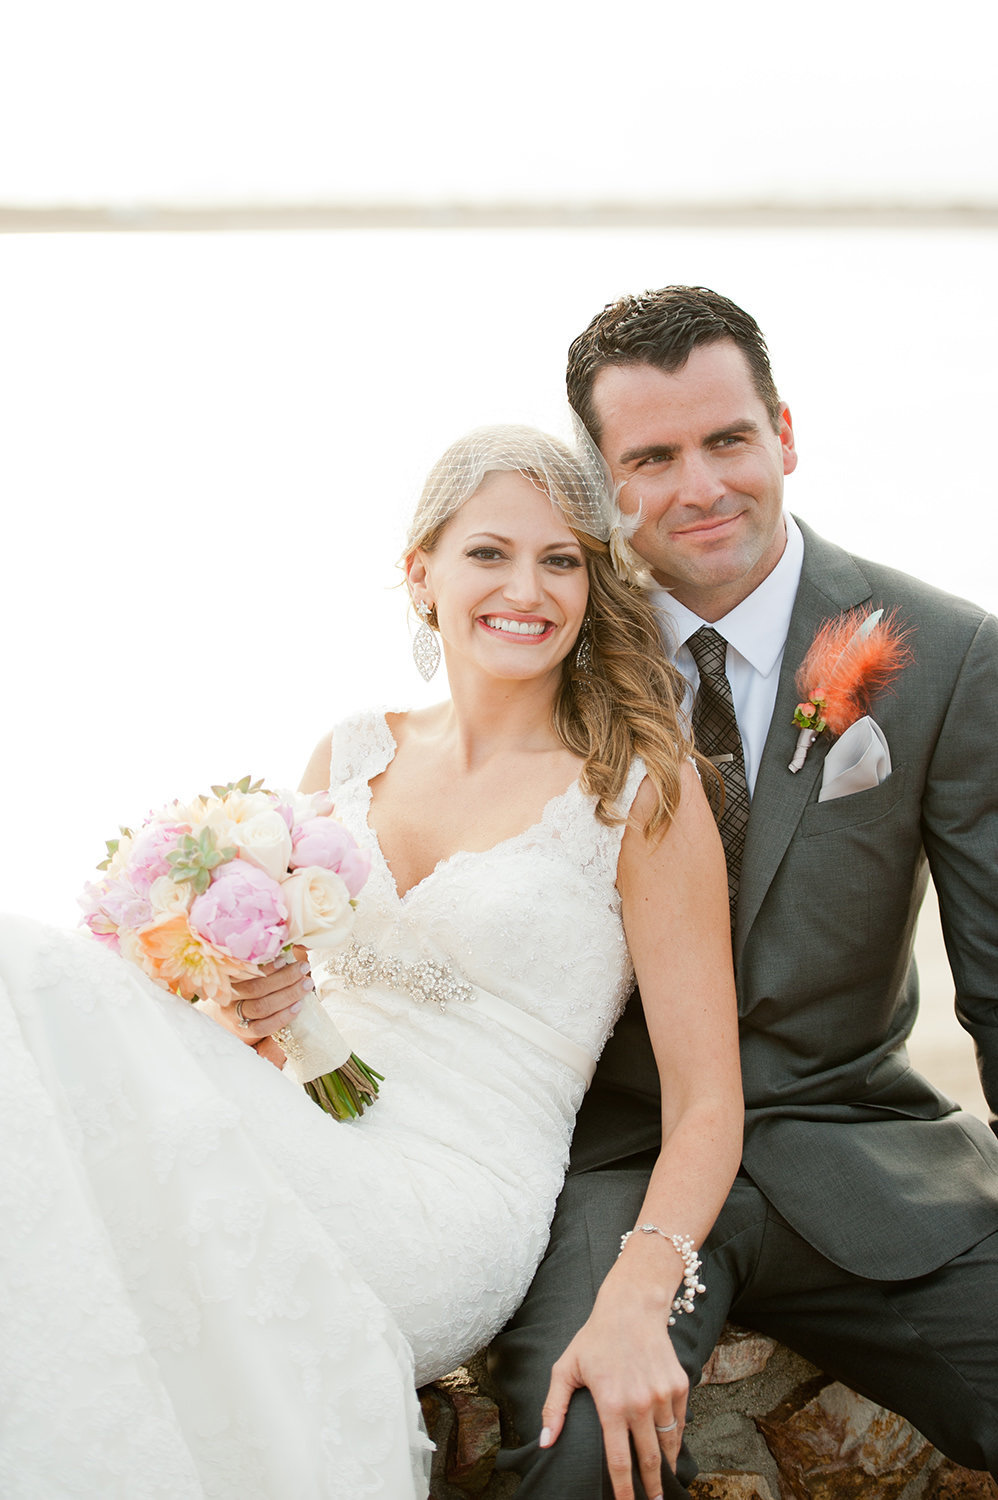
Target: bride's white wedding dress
209 1287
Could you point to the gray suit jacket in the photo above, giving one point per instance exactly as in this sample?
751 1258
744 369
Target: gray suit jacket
876 1168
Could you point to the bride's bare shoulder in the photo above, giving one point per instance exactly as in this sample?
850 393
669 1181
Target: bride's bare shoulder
316 777
414 723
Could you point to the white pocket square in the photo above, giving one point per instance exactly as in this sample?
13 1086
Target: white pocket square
858 760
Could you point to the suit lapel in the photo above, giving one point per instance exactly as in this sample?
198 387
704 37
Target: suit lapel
831 582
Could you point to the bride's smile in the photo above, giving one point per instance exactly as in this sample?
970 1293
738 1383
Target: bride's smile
531 629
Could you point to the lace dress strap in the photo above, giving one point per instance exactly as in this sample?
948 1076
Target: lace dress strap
635 777
363 745
597 845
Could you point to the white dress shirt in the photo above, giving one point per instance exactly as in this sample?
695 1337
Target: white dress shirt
756 633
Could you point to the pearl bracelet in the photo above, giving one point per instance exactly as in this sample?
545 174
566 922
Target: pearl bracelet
684 1248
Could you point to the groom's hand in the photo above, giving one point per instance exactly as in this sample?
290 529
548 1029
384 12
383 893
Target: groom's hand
624 1355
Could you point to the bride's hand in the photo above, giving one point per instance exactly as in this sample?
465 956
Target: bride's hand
624 1355
259 1007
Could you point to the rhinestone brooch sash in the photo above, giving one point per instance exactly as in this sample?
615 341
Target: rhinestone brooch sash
361 965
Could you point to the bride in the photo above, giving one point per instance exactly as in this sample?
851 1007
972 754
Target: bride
210 1288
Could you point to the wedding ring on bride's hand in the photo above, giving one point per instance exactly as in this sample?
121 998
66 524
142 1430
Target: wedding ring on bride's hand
670 1427
242 1019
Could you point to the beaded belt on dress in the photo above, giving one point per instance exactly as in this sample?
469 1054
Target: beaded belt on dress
426 980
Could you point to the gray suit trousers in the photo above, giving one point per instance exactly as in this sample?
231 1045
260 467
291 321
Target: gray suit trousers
923 1347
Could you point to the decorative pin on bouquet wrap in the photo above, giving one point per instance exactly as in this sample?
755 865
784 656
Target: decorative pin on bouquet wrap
206 892
850 660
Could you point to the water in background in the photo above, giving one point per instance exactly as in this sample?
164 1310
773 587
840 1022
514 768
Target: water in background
210 444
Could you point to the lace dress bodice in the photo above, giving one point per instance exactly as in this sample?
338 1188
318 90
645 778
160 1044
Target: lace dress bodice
215 1289
536 918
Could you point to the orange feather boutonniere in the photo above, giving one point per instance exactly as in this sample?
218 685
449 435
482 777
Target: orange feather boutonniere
850 660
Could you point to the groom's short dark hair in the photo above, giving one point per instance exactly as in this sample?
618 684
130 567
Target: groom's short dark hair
662 329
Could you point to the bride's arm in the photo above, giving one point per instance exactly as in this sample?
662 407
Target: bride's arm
675 909
316 777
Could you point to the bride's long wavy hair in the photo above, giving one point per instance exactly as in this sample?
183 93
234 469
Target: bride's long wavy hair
626 701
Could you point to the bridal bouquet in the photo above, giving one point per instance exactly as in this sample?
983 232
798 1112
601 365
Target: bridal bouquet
207 891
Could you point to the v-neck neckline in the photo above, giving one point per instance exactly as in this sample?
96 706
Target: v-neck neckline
447 859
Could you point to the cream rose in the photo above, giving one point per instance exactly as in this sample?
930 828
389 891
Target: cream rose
240 807
233 812
319 911
264 840
169 898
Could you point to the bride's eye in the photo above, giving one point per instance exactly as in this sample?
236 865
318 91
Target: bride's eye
484 554
564 562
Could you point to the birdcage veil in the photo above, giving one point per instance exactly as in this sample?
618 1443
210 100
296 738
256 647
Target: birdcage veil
575 479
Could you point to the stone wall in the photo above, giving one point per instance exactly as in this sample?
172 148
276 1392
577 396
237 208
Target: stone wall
764 1425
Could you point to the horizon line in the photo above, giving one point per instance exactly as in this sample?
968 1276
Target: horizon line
181 217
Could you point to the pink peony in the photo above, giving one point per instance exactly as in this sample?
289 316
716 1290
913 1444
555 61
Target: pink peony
118 901
326 843
95 917
147 856
354 870
242 913
286 811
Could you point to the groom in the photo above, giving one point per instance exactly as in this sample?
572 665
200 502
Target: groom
862 1229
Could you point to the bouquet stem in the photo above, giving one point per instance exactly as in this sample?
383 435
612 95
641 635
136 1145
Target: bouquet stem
319 1059
347 1090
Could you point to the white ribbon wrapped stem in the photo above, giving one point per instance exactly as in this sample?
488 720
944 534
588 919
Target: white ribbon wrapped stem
805 740
312 1043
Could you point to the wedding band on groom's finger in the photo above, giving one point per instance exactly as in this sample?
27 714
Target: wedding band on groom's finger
669 1426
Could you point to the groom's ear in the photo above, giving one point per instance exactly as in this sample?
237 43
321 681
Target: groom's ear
787 441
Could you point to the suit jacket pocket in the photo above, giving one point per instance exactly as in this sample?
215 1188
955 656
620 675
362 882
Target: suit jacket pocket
851 812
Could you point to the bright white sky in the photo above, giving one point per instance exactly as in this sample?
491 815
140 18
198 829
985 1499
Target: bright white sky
209 443
133 100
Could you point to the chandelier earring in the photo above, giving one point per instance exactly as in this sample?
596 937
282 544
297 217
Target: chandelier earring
584 648
425 646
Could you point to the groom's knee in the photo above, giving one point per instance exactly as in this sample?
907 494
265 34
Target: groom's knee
593 1210
572 1466
562 1293
522 1355
520 1361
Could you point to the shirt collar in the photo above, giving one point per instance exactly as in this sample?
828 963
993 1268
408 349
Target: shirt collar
757 628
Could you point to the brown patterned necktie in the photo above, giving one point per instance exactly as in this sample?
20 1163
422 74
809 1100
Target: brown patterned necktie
715 734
